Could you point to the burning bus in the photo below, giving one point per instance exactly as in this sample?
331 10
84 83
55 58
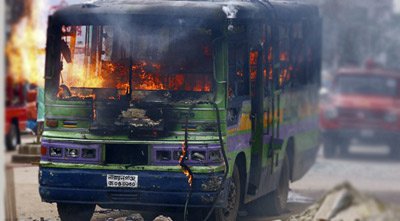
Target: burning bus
190 104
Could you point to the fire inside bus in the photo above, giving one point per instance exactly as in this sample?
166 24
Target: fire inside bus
186 104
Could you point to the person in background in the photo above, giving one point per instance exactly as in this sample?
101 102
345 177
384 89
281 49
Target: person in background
40 112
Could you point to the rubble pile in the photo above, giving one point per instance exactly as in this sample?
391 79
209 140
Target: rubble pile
344 203
138 217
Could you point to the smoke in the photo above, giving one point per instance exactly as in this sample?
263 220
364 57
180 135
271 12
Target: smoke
230 11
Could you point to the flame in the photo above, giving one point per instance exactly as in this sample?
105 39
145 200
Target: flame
283 56
253 64
270 55
147 80
145 76
185 168
25 47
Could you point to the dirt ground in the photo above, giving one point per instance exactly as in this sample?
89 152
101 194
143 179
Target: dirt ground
367 168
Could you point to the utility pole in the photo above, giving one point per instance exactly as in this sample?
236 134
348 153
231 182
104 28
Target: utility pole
2 73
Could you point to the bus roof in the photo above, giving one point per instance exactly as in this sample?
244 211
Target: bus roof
210 10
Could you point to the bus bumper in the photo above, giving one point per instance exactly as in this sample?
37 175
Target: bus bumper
159 189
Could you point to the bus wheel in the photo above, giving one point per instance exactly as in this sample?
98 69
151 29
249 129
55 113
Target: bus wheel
277 200
230 212
73 212
12 138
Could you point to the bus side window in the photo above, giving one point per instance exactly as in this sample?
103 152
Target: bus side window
284 52
300 48
267 61
239 81
297 56
238 78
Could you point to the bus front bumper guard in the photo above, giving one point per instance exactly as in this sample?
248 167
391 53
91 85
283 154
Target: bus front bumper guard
154 188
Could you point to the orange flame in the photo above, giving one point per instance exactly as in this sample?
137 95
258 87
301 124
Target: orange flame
185 169
145 76
253 63
23 51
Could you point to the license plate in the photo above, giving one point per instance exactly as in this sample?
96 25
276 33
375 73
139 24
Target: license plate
367 133
122 181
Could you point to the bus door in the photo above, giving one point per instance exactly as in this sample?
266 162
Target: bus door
271 109
257 118
277 63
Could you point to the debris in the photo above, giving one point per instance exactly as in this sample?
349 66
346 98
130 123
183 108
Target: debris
134 217
294 197
345 203
162 218
134 113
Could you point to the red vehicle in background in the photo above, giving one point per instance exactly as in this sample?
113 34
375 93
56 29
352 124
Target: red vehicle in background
20 109
361 104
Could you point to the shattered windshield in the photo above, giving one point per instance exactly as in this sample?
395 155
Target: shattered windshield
131 61
367 85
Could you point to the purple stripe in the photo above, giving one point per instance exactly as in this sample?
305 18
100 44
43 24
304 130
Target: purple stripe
239 142
242 141
306 125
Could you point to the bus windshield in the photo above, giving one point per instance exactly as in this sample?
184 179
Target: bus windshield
133 60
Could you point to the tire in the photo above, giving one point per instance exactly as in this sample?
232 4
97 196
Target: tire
234 199
277 200
329 150
12 138
75 212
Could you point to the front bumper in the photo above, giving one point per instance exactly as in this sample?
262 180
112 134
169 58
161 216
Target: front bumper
155 188
362 134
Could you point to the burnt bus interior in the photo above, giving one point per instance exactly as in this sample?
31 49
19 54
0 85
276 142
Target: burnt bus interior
132 72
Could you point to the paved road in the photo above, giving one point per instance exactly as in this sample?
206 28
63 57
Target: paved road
368 168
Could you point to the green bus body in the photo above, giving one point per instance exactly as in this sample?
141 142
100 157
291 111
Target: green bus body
262 60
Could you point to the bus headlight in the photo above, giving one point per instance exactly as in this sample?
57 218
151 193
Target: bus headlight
198 154
55 152
162 155
66 152
72 152
89 153
215 156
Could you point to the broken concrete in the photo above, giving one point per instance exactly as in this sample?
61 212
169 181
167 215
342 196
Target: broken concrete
344 203
27 153
138 217
133 217
162 218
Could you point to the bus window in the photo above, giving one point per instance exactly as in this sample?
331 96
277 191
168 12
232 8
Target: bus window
297 54
284 73
102 58
267 60
238 78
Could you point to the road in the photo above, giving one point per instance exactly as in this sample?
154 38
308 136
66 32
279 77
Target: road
368 168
